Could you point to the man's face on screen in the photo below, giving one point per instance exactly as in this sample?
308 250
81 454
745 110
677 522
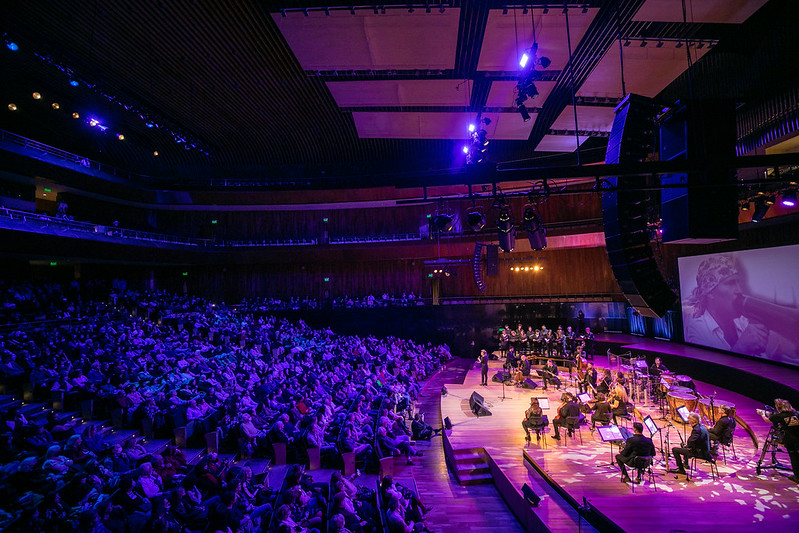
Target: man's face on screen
727 293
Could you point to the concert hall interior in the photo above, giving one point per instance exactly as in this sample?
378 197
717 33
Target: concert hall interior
464 266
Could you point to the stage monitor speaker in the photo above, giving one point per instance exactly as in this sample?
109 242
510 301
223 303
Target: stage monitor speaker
625 209
528 384
447 423
492 260
501 376
476 404
530 496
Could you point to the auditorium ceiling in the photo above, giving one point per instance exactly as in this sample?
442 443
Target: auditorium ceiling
269 91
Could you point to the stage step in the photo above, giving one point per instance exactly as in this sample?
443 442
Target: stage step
6 400
154 446
471 466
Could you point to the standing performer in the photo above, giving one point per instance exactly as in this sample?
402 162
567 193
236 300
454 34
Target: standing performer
787 420
483 367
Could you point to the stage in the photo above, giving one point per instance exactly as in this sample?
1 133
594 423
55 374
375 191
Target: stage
569 473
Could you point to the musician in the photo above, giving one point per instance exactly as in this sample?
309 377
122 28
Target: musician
568 409
483 368
523 369
636 446
589 379
550 371
510 361
504 340
618 402
588 338
530 339
604 385
722 431
621 380
657 368
787 421
698 445
571 338
602 411
535 419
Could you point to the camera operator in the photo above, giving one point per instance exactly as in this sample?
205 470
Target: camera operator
787 421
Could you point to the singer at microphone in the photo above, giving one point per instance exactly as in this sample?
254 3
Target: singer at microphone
719 315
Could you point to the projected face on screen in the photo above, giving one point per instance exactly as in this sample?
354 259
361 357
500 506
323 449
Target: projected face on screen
745 302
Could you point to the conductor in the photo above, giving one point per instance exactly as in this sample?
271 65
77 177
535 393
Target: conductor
636 446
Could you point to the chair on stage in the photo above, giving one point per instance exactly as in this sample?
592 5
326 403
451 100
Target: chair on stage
728 441
643 464
714 471
538 424
627 414
573 425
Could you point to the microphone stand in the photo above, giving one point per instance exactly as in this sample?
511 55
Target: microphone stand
503 397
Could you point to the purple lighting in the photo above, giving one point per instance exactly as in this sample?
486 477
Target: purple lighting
472 127
525 58
465 149
789 198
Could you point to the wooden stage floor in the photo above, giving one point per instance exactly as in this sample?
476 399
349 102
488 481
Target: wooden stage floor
739 500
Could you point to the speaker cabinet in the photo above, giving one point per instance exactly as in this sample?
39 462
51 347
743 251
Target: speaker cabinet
501 376
476 404
527 384
624 211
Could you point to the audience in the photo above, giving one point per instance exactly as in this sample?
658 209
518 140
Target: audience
162 360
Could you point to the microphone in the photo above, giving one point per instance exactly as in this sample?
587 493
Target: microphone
714 394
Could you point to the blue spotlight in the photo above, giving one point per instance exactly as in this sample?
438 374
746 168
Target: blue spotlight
525 58
12 46
74 83
465 149
472 127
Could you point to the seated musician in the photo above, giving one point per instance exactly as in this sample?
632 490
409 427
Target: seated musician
535 419
589 379
604 385
636 446
618 402
698 445
621 380
657 368
550 371
568 409
602 412
523 370
722 431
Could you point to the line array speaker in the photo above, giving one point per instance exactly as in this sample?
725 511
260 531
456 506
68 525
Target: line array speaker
624 211
476 404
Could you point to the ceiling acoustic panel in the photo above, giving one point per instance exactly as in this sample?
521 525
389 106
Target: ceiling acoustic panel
508 36
394 40
718 11
589 118
388 125
647 70
558 143
396 93
510 126
503 94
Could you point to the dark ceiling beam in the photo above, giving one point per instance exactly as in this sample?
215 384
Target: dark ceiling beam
421 74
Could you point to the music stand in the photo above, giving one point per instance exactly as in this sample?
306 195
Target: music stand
666 389
612 435
584 397
543 403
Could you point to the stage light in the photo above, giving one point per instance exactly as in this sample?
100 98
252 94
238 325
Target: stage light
789 197
155 153
443 222
12 46
506 230
761 208
472 127
37 96
465 149
524 113
55 105
527 269
745 206
75 115
475 219
74 83
120 137
523 61
536 232
93 122
12 107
